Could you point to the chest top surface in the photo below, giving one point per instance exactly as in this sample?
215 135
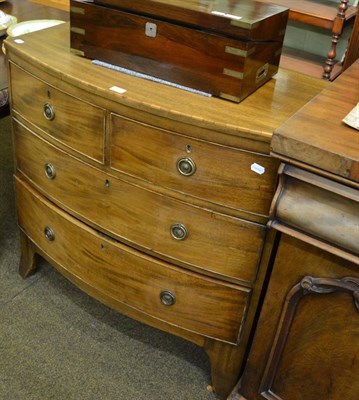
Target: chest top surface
317 137
254 119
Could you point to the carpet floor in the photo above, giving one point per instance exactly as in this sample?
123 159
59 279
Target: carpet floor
58 343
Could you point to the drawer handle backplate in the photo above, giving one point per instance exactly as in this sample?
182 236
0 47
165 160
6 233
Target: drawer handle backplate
167 297
50 171
49 234
186 166
49 112
179 232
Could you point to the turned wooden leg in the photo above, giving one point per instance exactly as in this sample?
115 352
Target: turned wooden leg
329 63
28 256
226 361
337 30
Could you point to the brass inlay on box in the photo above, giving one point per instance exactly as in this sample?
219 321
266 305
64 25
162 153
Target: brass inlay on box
229 97
77 52
77 10
80 31
234 74
241 23
239 52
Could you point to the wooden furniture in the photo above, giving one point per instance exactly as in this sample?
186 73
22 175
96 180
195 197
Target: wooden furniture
323 14
149 198
226 52
23 10
306 343
353 48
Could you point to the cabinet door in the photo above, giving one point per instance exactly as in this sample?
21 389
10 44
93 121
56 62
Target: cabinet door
307 341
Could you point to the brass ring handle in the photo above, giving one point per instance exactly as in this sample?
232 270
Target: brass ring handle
186 166
167 297
49 234
50 171
179 232
49 112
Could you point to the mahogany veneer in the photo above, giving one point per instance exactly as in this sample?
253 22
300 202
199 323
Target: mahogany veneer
151 199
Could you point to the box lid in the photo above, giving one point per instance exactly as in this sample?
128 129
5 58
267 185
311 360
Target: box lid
245 19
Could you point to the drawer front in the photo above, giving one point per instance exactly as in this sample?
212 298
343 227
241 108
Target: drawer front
219 174
159 224
318 208
127 277
74 123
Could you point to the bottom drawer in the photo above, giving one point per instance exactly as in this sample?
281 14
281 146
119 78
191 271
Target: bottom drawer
127 277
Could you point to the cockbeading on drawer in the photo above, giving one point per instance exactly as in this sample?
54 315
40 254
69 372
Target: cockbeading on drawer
223 175
70 121
124 277
318 208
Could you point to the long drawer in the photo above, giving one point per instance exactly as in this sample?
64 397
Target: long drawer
220 174
74 123
201 305
180 232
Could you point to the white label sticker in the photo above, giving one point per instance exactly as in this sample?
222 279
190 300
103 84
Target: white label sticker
258 169
118 89
19 41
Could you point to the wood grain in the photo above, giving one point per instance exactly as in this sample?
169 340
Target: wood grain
223 175
216 243
251 122
76 124
316 136
255 21
320 352
190 57
319 207
123 274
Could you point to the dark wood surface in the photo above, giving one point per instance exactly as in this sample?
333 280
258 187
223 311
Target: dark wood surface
24 10
316 136
239 18
306 344
188 57
353 48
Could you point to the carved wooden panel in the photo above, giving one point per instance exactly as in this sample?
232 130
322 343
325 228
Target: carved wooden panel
315 354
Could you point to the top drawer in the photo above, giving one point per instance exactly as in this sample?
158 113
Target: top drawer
73 122
219 174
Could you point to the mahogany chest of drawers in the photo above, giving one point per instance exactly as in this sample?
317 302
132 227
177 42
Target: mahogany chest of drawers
155 205
226 50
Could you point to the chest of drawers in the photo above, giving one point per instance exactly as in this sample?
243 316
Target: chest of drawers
154 201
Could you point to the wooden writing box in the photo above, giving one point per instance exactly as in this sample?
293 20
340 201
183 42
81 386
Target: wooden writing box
225 48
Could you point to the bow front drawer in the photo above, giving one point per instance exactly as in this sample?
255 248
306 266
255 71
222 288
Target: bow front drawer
220 174
124 277
70 121
159 224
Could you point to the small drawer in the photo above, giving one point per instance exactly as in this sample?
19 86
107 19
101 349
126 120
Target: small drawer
219 174
317 208
72 122
161 225
123 277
